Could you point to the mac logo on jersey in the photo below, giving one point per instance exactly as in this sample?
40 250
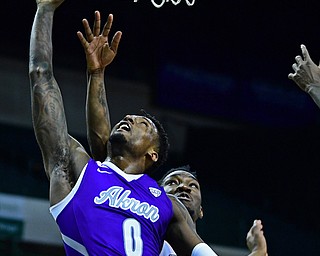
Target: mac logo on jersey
154 191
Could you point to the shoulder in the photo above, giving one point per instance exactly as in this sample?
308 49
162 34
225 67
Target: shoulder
178 206
79 157
65 175
180 213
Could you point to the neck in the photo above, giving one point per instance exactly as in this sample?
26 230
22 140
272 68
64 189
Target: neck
128 165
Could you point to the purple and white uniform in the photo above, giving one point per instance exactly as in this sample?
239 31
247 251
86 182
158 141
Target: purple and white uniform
109 212
167 250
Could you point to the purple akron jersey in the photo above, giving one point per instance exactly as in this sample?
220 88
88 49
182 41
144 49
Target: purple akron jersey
109 212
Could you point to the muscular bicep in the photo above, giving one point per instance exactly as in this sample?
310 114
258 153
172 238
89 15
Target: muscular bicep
181 233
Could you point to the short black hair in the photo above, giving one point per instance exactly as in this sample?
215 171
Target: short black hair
185 168
163 143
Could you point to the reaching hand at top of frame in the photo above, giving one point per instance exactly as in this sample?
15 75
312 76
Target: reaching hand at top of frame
98 52
307 73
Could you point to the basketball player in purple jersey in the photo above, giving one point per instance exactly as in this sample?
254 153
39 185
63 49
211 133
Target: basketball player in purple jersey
98 122
114 207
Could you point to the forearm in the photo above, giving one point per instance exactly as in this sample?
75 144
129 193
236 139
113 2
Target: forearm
97 112
40 56
47 107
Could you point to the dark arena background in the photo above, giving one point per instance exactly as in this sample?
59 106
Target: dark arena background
215 74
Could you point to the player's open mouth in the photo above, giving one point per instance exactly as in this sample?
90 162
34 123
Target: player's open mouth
124 126
184 196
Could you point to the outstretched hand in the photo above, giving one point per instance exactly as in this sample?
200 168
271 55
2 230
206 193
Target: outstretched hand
307 73
98 52
256 241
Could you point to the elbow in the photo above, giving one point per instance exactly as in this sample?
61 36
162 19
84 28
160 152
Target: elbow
40 72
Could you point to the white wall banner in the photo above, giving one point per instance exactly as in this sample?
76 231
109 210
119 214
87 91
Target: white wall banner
27 219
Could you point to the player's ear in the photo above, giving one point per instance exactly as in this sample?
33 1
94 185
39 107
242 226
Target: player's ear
153 155
201 212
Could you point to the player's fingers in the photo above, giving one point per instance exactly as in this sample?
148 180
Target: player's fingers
97 24
257 227
256 222
107 26
298 59
83 41
291 76
295 67
305 53
87 30
115 41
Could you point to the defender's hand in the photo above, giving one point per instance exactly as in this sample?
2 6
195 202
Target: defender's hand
256 241
307 73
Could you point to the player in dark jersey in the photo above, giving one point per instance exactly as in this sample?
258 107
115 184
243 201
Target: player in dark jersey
85 208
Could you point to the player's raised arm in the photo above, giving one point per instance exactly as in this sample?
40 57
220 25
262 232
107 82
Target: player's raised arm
99 54
47 108
49 121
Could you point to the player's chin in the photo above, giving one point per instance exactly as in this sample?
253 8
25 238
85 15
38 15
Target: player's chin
117 137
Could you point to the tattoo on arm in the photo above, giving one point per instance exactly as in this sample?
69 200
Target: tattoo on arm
50 126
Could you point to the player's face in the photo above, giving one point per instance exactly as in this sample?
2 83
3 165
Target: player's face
138 132
186 188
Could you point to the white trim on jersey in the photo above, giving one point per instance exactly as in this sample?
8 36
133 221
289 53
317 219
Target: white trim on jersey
128 177
167 250
56 209
75 245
